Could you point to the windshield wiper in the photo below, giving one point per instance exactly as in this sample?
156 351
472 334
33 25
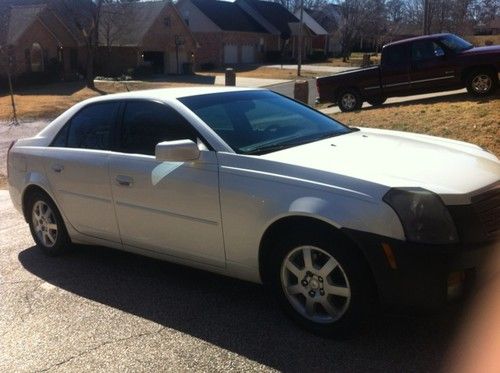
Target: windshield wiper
285 145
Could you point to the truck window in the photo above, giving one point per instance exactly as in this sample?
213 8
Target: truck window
425 50
395 56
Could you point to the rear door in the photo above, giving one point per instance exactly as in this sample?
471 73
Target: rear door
76 165
167 207
395 70
430 67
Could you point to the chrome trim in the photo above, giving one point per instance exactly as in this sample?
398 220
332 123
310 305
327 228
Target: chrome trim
432 79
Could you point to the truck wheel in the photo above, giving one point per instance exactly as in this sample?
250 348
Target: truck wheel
377 101
350 100
481 82
321 283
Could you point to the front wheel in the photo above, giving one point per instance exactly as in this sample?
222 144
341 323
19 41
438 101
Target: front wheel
481 83
350 100
322 284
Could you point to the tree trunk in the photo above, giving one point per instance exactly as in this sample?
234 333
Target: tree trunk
89 76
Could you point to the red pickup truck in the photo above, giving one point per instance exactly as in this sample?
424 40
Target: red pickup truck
418 65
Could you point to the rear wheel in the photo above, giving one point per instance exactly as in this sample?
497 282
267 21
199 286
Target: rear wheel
321 283
46 224
481 82
350 100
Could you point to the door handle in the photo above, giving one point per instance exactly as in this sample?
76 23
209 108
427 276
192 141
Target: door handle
124 180
57 168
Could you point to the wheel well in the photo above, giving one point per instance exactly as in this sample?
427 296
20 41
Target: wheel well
308 224
28 192
468 70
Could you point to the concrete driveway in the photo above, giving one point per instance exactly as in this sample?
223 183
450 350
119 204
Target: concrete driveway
97 309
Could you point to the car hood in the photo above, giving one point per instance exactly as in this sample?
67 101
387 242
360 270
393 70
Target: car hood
453 169
482 50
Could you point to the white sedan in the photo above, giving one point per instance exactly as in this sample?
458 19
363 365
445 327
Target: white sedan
253 185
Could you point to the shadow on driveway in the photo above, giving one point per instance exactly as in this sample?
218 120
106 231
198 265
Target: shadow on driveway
236 315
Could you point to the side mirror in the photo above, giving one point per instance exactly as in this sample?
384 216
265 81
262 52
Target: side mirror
177 151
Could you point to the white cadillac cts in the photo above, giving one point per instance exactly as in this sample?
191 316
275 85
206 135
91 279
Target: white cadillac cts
250 184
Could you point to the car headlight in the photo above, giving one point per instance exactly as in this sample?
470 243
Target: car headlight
424 216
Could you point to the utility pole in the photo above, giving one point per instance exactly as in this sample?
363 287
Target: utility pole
426 26
300 41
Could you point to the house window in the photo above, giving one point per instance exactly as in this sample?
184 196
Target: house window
166 21
36 58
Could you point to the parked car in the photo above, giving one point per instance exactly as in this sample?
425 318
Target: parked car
418 65
253 185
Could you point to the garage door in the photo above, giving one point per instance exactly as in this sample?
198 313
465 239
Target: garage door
230 53
248 54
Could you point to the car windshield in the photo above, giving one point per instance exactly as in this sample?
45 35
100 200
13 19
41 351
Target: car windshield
260 122
455 43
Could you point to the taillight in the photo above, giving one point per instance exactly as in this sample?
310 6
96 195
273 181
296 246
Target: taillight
8 153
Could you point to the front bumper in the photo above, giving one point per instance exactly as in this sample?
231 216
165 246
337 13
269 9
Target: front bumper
418 276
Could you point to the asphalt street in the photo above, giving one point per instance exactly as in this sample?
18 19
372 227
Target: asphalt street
97 309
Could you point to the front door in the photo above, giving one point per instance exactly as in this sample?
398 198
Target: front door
430 67
168 207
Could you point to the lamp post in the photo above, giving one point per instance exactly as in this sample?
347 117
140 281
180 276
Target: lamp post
300 41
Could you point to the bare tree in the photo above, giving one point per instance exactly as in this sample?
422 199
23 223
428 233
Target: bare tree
293 5
6 64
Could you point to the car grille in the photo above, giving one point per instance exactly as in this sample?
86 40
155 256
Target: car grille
487 206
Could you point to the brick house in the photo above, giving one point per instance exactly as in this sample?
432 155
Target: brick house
37 40
329 18
241 32
280 23
147 35
321 39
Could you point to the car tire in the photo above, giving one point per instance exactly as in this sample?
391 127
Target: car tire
349 100
46 224
377 101
481 82
335 297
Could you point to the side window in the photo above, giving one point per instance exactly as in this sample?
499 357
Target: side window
91 127
395 56
425 50
146 124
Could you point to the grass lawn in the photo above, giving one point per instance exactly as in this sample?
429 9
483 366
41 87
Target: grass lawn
457 117
266 72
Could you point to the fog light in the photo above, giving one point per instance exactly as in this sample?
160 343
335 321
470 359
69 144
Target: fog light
455 284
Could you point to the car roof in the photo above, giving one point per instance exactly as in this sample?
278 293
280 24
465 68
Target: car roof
167 94
423 37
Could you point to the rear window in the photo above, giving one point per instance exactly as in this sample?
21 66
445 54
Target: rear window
395 55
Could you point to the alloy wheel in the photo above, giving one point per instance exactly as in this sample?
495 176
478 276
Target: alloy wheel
348 101
44 224
315 284
482 83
